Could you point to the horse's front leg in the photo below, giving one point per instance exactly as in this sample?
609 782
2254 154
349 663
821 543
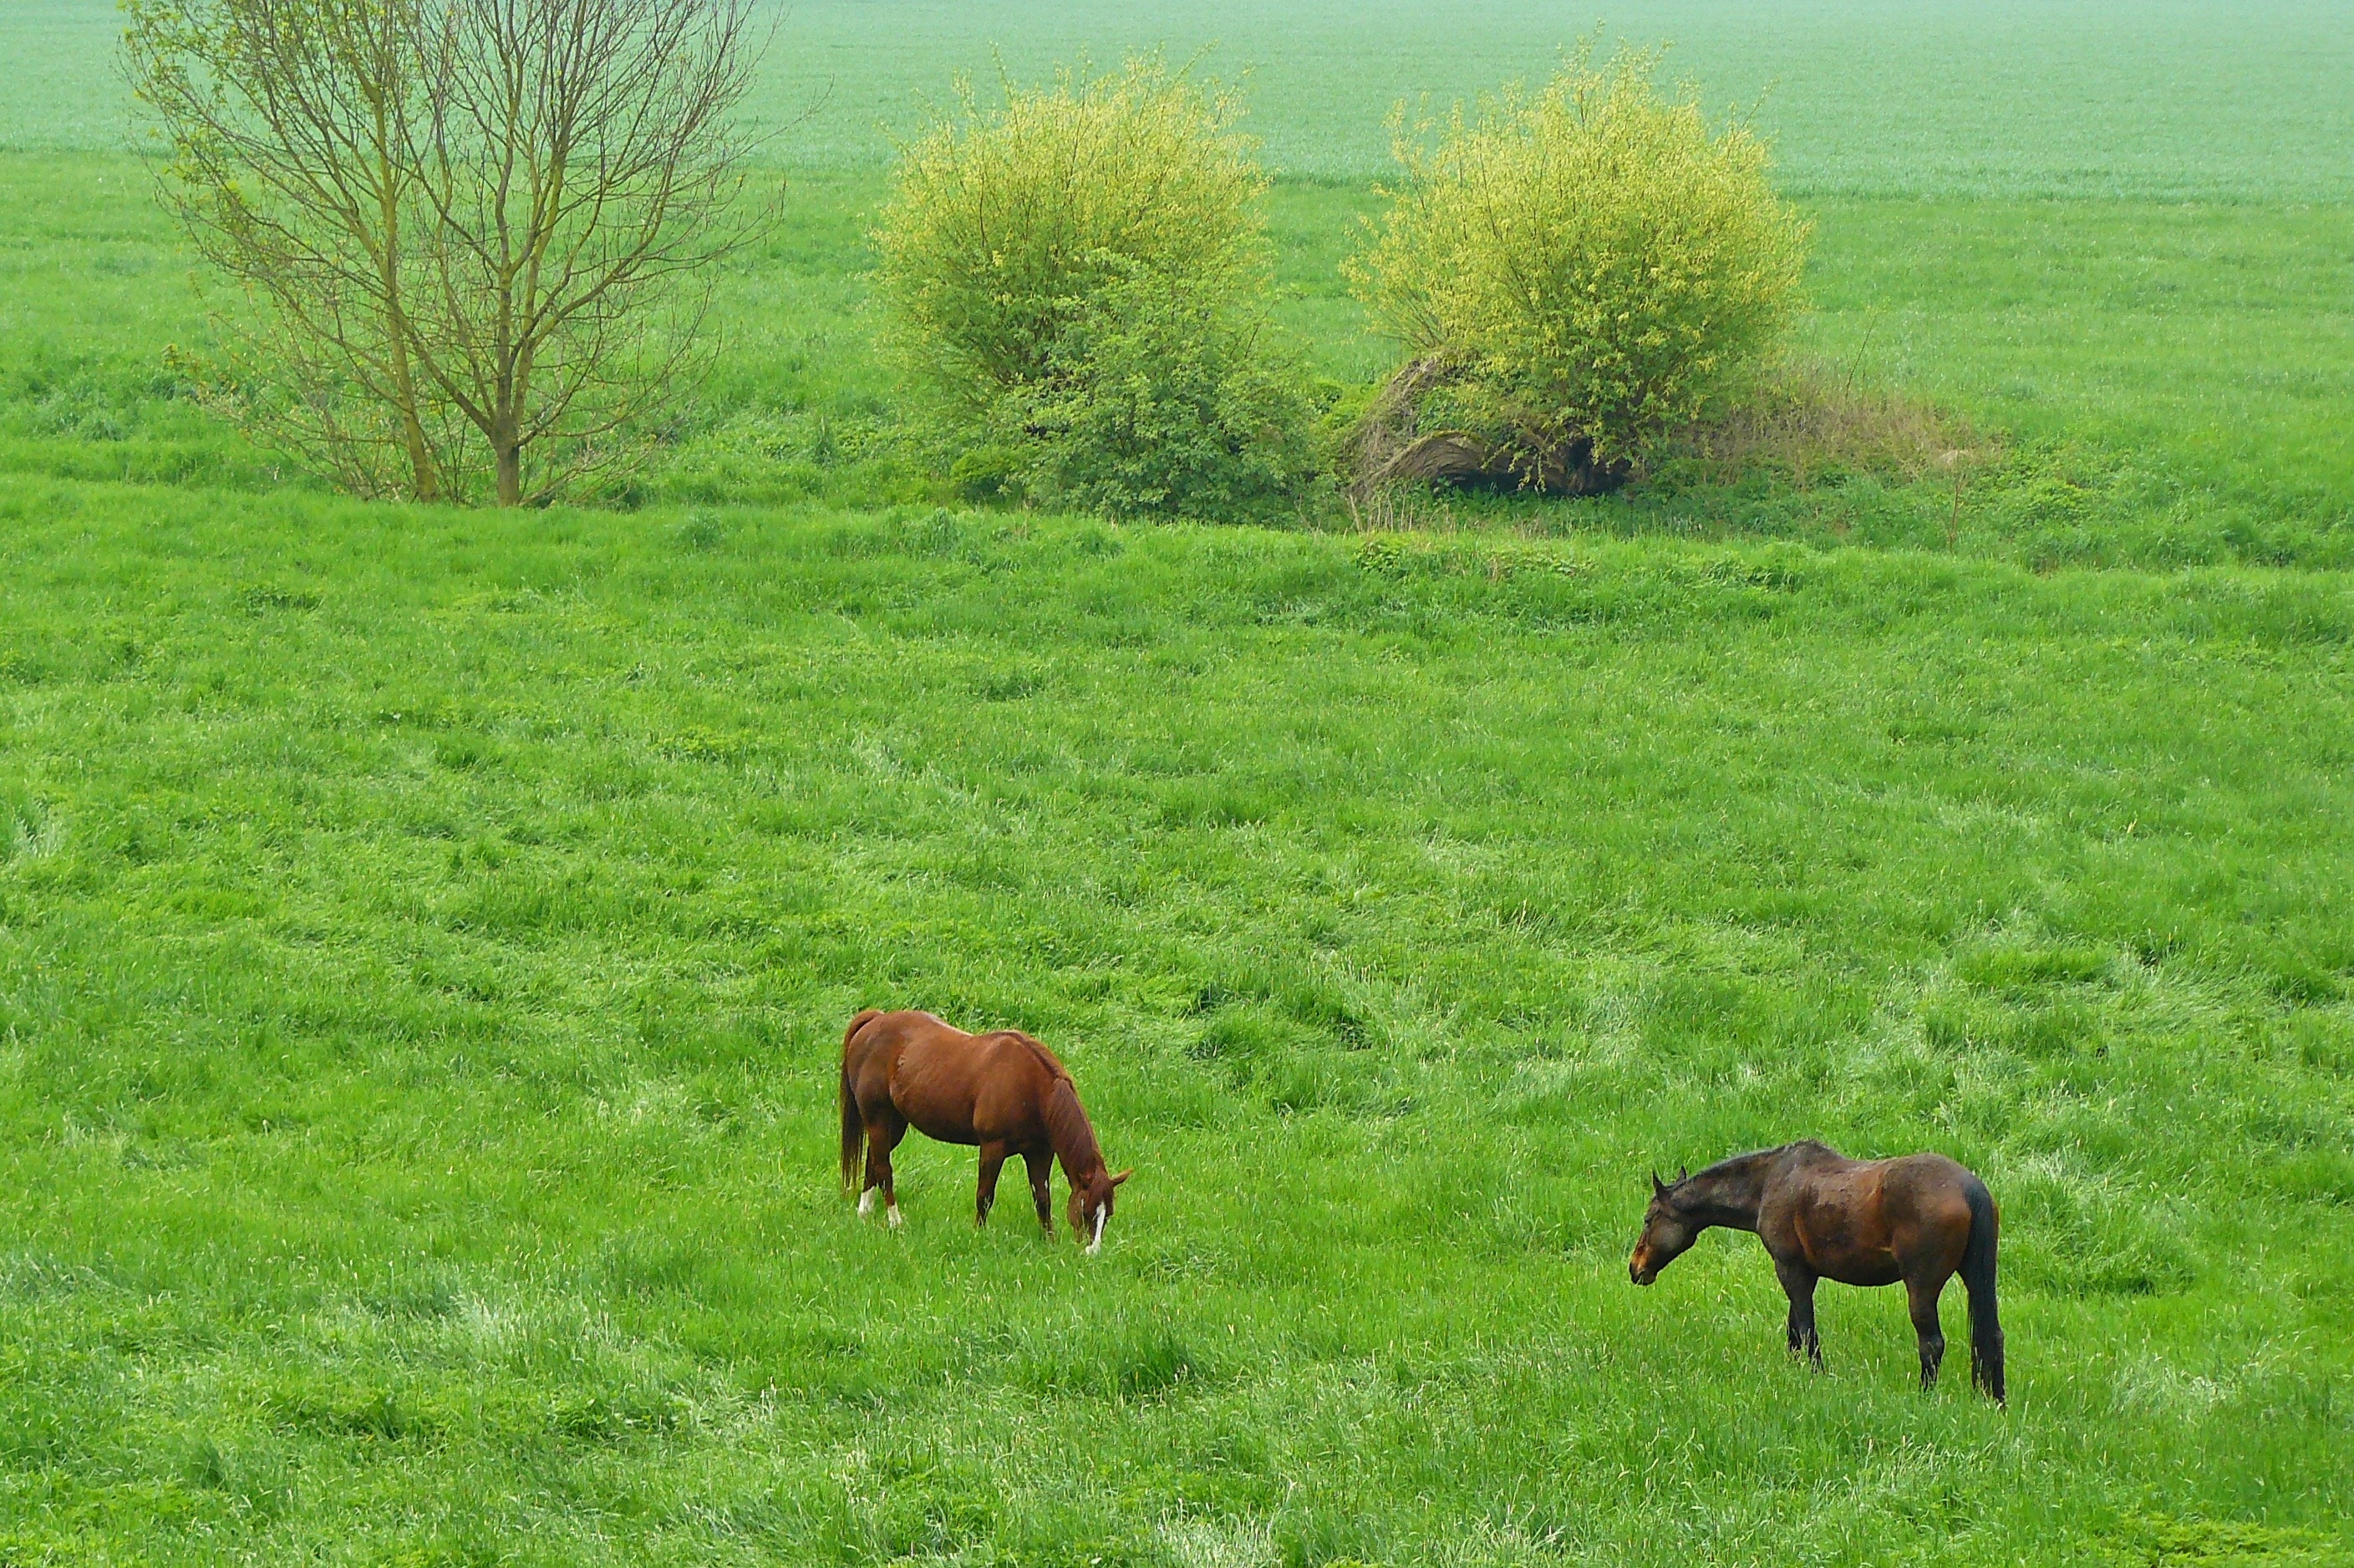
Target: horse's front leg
1798 1284
1041 1168
1921 1296
992 1160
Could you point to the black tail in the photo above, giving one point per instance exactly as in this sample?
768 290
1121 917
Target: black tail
1978 1278
853 1125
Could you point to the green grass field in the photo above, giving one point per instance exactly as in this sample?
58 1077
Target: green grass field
2165 99
425 936
427 940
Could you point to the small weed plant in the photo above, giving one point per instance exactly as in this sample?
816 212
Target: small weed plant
1079 280
1575 275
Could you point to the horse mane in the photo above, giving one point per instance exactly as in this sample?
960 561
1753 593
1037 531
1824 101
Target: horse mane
1067 1126
1046 1059
1742 1162
1706 1190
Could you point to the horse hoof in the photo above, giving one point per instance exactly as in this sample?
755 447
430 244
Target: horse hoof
866 1203
892 1214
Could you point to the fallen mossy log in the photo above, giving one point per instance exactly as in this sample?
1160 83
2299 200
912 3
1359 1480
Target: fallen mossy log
1389 446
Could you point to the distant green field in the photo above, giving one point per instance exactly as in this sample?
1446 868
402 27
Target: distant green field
2169 99
2117 232
425 936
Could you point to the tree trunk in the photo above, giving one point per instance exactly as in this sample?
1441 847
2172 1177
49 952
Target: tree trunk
425 477
1565 470
1389 446
1453 457
509 456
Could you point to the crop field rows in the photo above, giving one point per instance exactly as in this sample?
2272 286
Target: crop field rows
426 935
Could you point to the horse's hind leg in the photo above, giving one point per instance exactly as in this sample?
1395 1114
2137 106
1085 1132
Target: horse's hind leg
882 1138
1798 1284
1041 1168
992 1160
1921 1296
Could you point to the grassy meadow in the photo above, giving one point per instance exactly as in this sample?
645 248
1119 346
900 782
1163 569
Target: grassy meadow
425 936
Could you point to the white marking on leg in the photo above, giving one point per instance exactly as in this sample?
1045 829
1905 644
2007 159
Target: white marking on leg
1096 1246
893 1211
866 1203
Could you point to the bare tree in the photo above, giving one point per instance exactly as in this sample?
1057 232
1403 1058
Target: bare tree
481 232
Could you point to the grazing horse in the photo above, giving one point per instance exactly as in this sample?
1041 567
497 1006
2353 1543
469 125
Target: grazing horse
1921 1219
1004 1092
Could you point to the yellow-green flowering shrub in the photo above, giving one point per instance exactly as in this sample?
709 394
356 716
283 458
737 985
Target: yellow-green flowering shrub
1577 273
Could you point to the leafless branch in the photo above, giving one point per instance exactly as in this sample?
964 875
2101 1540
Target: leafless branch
482 234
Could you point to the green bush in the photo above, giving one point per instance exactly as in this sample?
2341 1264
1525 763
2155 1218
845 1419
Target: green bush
1155 399
1079 282
1579 273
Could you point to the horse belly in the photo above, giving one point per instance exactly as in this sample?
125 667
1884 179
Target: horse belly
1838 1243
1864 1271
944 1128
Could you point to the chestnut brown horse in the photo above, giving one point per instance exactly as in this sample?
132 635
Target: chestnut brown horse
1920 1219
1002 1091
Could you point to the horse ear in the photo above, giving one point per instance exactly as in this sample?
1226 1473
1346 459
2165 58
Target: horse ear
1123 1176
1683 1173
1658 1188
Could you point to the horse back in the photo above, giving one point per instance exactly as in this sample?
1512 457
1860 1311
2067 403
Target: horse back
871 1048
1869 1221
872 1034
1929 1190
952 1086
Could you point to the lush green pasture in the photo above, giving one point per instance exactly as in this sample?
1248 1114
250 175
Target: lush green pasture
424 940
2170 99
425 936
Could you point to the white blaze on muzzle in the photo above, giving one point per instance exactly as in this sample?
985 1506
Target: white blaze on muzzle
1095 1246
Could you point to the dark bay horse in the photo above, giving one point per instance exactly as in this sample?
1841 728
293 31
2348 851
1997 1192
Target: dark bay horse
1920 1219
1003 1092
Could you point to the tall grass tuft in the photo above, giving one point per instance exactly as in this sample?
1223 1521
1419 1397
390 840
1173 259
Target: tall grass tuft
1807 422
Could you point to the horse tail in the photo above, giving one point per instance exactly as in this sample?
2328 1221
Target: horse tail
1978 1278
853 1124
854 1136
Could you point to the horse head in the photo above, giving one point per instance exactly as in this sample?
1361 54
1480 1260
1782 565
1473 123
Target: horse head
1668 1233
1091 1205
